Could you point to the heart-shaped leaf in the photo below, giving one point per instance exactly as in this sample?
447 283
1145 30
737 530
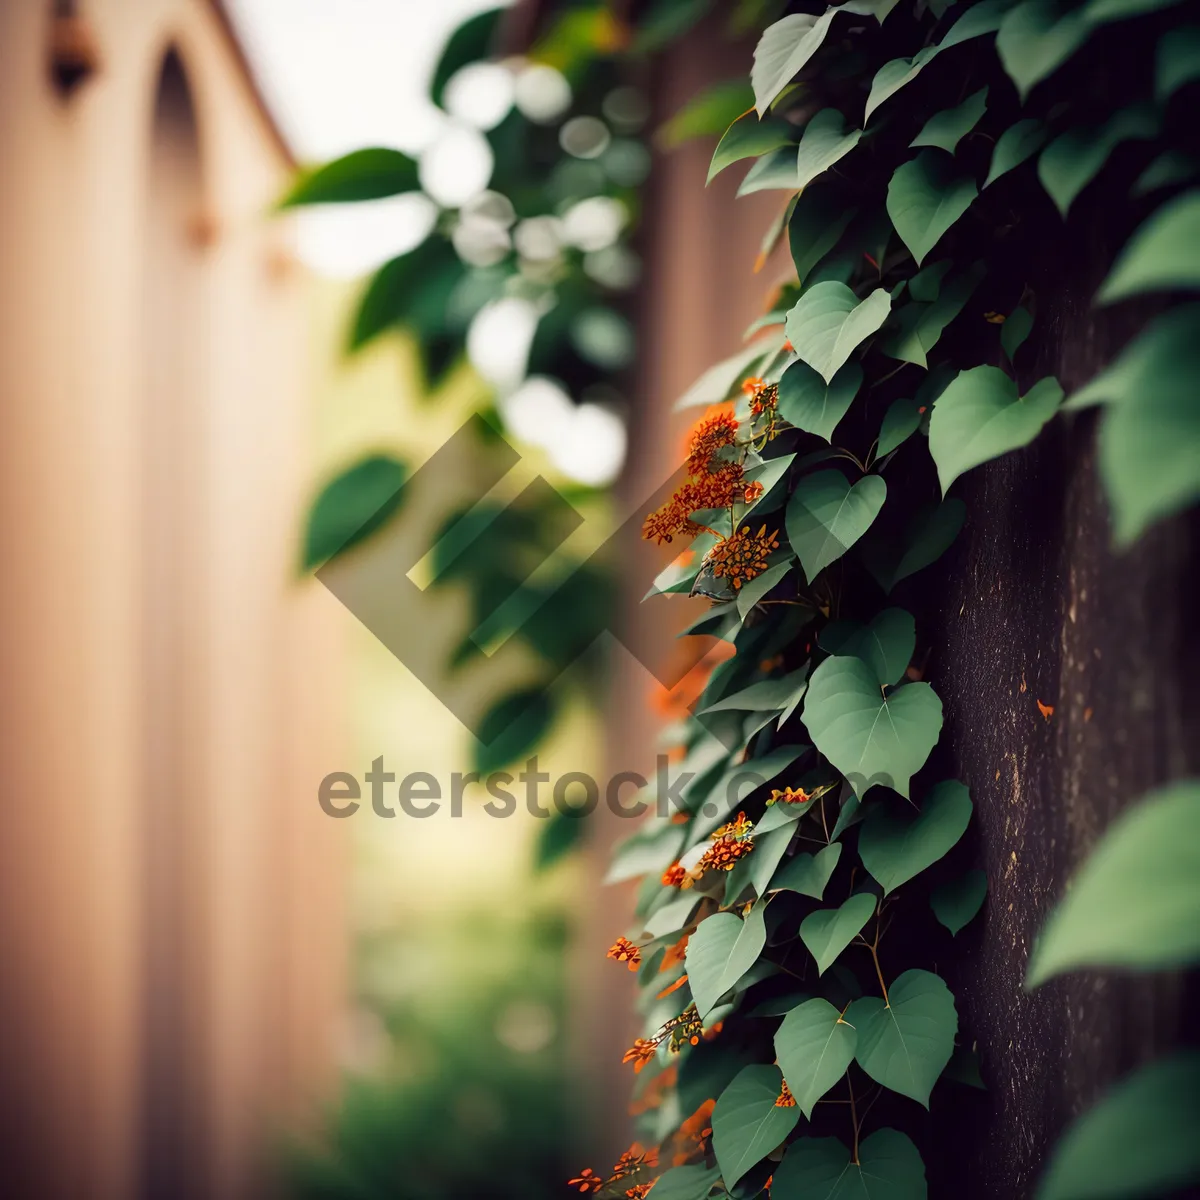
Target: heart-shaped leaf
1134 903
956 903
746 1122
828 322
818 221
828 931
720 952
1017 143
825 141
946 129
889 1167
1163 255
748 137
886 645
812 404
1074 158
906 1043
813 1047
808 874
782 50
826 516
895 850
925 197
981 416
774 171
871 738
929 534
900 422
919 326
1036 38
1140 1140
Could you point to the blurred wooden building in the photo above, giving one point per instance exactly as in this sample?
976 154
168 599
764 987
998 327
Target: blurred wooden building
170 922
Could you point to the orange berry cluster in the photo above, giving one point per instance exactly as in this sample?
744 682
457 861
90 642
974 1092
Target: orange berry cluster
742 555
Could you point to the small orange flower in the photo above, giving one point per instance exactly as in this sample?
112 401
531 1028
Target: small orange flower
738 827
674 954
634 1159
786 1099
752 385
764 400
674 987
640 1053
789 795
586 1181
674 876
623 950
687 1027
640 1191
742 555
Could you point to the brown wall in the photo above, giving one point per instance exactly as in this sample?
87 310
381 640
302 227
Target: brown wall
169 901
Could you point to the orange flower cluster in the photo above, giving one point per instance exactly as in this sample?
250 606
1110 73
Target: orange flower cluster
685 1028
623 950
633 1162
743 555
789 795
715 482
786 1099
640 1053
764 400
729 843
753 385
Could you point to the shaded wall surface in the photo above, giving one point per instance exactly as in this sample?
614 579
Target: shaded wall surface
170 932
1030 604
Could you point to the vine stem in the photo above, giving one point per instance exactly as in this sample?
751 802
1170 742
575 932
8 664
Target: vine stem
854 1119
874 949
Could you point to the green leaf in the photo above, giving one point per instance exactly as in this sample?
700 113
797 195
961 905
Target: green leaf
925 197
558 837
889 1167
946 129
723 379
782 51
757 868
1036 38
895 850
1166 170
886 645
748 137
361 175
929 535
353 506
980 416
707 115
871 738
907 1042
1015 330
808 874
819 220
1148 439
511 729
1074 158
746 1123
1163 255
1177 61
829 321
824 143
900 422
720 952
812 404
773 172
470 42
919 326
768 695
411 289
813 1047
691 1182
826 516
1139 1140
828 931
1017 143
751 593
891 77
926 284
956 903
1135 902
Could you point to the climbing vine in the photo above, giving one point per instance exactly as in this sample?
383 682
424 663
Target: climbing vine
930 160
